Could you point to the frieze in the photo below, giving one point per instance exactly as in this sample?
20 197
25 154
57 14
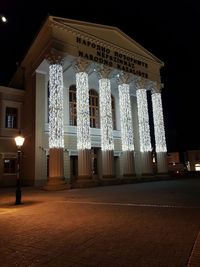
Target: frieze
104 55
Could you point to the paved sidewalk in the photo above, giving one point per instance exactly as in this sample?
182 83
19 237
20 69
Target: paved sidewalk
150 224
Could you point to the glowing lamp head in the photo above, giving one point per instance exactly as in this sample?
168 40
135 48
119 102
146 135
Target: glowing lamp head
19 141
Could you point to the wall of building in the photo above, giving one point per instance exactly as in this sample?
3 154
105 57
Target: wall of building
29 130
193 160
12 98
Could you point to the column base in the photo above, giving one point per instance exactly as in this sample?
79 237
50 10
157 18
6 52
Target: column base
109 181
127 175
84 182
128 164
147 175
128 179
162 166
163 174
56 183
147 163
108 164
108 176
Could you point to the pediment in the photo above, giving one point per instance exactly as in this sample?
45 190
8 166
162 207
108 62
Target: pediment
108 34
109 46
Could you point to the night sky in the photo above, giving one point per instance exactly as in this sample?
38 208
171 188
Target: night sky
168 29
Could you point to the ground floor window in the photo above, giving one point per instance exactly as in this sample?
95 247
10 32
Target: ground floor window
74 166
9 166
11 117
94 154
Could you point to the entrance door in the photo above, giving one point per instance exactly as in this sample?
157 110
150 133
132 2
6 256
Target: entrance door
94 159
73 167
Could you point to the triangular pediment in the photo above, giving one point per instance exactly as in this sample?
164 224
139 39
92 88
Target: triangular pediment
108 46
108 34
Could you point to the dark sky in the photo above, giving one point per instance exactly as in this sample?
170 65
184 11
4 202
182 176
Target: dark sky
168 29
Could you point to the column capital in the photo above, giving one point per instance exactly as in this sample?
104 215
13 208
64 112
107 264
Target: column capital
81 65
124 78
155 87
53 56
104 72
140 83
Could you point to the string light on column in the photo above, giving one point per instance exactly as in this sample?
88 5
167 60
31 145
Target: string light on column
126 118
106 115
144 131
56 130
159 129
83 116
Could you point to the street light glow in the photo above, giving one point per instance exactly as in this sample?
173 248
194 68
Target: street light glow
19 140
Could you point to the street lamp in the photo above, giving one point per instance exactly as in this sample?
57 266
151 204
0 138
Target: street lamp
19 141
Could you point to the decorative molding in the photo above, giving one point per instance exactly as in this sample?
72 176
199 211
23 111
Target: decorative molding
124 78
104 72
60 24
81 65
54 56
155 87
140 83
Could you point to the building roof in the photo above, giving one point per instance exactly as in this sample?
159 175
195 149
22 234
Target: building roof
61 34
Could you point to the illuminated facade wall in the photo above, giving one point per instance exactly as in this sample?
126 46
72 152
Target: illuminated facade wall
48 105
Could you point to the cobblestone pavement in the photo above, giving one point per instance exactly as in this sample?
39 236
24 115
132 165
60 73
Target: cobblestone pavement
145 224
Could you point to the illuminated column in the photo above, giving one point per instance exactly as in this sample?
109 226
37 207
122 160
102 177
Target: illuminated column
56 179
159 131
126 126
144 129
83 121
107 143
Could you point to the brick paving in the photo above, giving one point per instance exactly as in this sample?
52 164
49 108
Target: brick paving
147 224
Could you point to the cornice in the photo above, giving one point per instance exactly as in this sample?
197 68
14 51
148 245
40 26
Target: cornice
105 43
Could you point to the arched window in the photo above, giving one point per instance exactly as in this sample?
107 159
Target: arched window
94 108
72 105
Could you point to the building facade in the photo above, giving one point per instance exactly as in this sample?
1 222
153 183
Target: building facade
192 160
85 107
11 110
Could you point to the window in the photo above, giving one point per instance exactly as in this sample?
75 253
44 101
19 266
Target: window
72 105
94 109
94 157
11 117
9 166
113 112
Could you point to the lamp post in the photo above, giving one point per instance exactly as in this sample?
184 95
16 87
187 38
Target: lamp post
19 141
